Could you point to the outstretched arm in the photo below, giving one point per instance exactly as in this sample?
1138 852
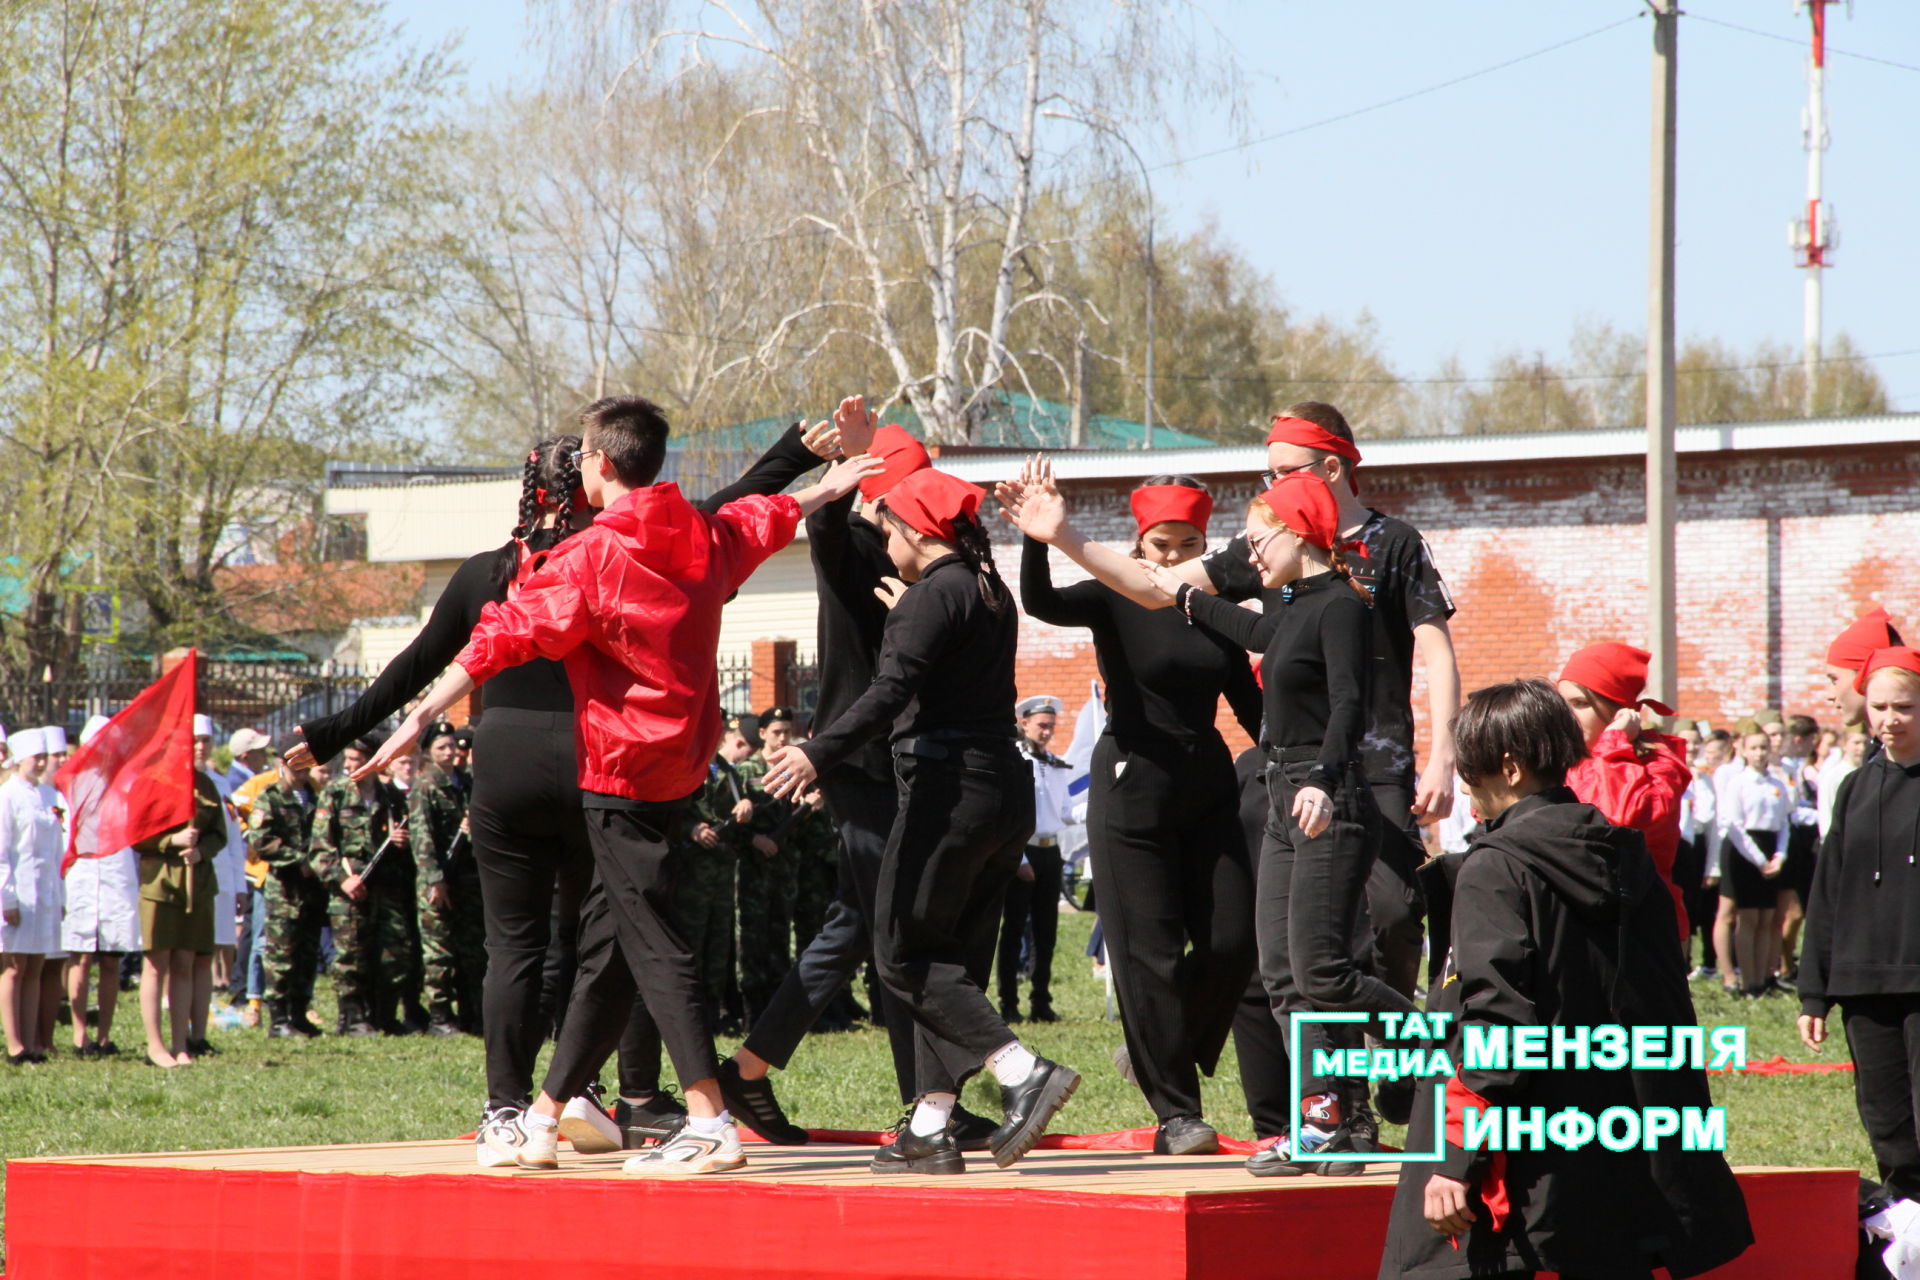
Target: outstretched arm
1034 506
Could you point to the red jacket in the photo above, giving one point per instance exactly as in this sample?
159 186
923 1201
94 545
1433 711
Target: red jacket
1642 793
632 606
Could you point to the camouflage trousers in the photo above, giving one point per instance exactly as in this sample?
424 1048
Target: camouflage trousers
766 925
703 913
290 946
453 950
375 960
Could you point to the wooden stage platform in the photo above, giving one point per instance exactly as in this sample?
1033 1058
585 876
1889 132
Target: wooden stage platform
424 1211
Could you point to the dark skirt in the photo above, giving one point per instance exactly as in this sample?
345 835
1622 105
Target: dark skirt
1742 881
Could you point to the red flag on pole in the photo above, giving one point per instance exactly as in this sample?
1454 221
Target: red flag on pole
134 778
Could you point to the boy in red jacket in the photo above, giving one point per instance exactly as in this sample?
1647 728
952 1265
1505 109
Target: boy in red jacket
632 606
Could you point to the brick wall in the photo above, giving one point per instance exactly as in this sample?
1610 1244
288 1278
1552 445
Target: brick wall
1777 552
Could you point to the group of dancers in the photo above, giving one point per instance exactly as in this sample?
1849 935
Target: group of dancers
594 631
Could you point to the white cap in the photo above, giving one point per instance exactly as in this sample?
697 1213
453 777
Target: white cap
56 736
27 742
93 725
1033 706
203 726
245 740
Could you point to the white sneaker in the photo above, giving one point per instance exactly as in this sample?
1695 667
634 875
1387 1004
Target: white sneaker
590 1130
501 1136
688 1152
541 1147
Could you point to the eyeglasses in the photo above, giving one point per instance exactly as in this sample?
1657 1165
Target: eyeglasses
579 456
1272 477
1255 547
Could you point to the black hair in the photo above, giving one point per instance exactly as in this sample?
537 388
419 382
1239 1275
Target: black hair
1801 726
970 543
1173 478
1719 735
1522 720
632 432
549 466
1321 415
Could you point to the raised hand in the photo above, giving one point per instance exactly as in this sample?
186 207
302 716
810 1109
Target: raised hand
856 424
822 440
1033 504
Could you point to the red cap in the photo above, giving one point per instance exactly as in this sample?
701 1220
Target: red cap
928 500
1160 503
1869 633
1617 672
903 455
1311 435
1307 506
1893 656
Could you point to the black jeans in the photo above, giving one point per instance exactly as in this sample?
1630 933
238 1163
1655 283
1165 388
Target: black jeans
639 1047
1034 902
956 839
1396 904
1884 1034
530 844
1308 911
863 810
629 947
1163 830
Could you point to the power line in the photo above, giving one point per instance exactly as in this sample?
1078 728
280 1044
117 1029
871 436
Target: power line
1796 41
1542 376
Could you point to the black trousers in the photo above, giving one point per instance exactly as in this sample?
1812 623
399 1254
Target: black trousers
863 809
1257 1043
1396 904
1308 911
955 842
1163 830
530 844
629 947
1703 904
639 1046
1883 1033
1034 903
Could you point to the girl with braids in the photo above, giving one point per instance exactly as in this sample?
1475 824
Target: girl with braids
944 684
528 827
1323 829
1163 822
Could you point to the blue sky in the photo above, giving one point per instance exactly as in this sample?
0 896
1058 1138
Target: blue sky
1497 213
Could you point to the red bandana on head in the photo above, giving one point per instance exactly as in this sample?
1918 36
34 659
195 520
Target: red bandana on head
903 456
1307 506
929 500
1869 634
1311 435
1617 672
1897 655
1164 503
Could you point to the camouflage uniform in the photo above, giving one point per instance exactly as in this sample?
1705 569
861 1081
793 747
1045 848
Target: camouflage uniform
766 896
453 941
703 887
278 827
372 938
814 843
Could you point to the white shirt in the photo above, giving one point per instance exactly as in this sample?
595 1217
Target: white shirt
32 842
1833 771
1049 790
1753 802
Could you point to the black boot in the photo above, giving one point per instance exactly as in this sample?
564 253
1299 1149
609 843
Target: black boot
1030 1106
911 1152
279 1022
354 1020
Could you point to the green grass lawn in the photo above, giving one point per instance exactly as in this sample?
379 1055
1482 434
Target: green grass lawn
280 1093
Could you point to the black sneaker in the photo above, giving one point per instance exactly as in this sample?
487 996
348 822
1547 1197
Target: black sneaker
911 1152
281 1031
655 1120
1041 1011
970 1132
1362 1123
753 1104
1274 1159
1185 1136
1030 1106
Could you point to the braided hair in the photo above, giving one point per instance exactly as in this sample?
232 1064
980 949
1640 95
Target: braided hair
549 474
970 543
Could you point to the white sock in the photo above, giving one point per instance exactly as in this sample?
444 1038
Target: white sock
933 1113
710 1126
534 1120
1011 1063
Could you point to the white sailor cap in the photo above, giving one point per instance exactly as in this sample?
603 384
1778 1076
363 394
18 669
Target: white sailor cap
1035 705
56 738
27 742
202 726
93 725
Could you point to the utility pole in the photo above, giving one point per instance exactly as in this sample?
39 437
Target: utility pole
1662 489
1812 237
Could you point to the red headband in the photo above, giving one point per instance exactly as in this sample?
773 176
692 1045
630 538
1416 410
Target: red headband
1869 633
1895 656
930 500
1164 503
1311 435
1307 506
1616 672
579 498
903 456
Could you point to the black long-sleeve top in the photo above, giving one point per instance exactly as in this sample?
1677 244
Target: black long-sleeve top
1315 641
1163 678
538 685
945 666
849 559
1863 916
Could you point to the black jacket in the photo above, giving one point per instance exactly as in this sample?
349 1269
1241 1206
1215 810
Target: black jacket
1863 916
1560 919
